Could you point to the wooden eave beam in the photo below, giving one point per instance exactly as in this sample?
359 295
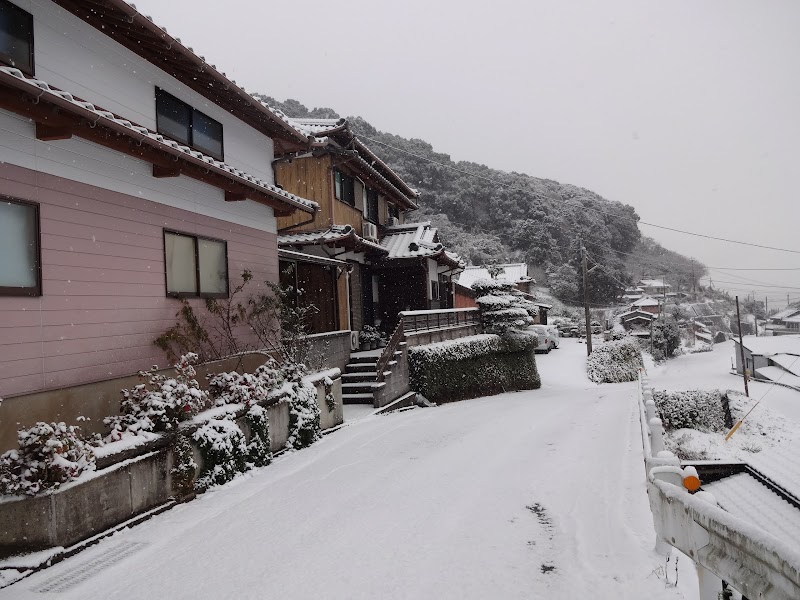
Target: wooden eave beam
48 133
161 171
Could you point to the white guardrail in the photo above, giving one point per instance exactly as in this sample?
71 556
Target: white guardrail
723 547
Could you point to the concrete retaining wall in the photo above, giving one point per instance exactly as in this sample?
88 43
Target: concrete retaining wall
138 481
397 383
329 350
94 401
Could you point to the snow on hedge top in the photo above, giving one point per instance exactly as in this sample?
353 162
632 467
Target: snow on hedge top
615 362
776 344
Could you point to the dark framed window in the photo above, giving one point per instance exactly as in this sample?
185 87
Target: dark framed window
372 206
179 121
195 266
344 188
394 211
20 249
16 37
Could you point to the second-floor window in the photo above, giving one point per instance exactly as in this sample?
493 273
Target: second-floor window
179 121
372 206
344 188
16 37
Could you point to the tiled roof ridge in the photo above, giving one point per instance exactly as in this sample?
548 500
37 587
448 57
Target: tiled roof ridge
157 137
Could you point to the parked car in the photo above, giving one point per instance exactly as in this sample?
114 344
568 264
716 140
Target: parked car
548 337
565 329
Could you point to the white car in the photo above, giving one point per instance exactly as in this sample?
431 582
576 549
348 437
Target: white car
548 337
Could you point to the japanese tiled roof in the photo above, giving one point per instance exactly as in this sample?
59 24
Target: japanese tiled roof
41 88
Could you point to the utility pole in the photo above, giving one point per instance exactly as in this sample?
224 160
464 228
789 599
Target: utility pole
586 302
741 349
664 323
693 280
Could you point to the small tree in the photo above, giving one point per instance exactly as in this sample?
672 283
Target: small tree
503 308
666 338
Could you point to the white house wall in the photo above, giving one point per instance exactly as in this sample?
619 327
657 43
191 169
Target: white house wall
90 163
74 56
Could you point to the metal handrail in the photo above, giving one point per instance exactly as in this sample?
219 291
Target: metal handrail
389 350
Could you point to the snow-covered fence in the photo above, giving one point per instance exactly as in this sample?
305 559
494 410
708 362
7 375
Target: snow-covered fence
724 547
426 320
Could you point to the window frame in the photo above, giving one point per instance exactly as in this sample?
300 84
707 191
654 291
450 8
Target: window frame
35 291
192 111
199 293
368 214
6 59
340 178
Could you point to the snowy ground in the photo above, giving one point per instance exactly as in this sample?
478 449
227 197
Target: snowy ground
769 436
524 495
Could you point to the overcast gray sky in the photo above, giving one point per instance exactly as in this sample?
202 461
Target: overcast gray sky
687 110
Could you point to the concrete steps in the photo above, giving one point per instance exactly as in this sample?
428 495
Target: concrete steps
359 380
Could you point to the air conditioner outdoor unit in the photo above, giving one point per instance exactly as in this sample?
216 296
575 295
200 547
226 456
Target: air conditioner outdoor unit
371 231
354 341
393 222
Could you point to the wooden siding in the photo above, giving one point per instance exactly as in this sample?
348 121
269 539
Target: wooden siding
308 178
312 178
103 282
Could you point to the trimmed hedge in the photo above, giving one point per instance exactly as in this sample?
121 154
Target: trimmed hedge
479 365
615 362
694 409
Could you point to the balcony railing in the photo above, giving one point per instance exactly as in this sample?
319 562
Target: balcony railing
426 320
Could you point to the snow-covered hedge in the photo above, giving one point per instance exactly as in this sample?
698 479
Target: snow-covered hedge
474 366
693 409
49 455
615 362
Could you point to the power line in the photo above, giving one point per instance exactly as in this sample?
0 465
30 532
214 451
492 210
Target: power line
511 186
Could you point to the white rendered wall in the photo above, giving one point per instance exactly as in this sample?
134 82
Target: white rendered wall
90 163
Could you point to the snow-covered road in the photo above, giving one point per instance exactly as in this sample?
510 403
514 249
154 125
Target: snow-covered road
524 495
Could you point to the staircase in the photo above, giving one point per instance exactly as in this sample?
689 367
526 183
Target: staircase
359 380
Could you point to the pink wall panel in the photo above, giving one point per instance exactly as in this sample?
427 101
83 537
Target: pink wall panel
104 298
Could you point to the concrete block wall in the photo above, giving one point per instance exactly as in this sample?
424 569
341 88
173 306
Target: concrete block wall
397 384
329 350
123 490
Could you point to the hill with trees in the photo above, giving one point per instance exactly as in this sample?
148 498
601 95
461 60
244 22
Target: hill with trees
491 216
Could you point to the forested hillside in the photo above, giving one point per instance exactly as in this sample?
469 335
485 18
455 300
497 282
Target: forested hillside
489 215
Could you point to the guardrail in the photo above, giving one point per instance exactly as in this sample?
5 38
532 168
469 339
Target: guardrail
723 547
424 320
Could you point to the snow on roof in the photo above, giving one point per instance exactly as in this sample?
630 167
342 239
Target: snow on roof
637 313
770 345
646 301
39 87
335 233
795 319
784 314
653 283
417 240
512 272
702 335
788 362
745 496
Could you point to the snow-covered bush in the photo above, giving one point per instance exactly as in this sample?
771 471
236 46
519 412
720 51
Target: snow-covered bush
224 450
49 455
474 366
245 388
304 415
693 409
701 347
502 306
184 467
160 402
258 450
615 361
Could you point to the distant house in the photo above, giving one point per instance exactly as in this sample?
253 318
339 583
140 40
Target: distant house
637 322
647 304
632 294
655 287
516 273
771 358
785 322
